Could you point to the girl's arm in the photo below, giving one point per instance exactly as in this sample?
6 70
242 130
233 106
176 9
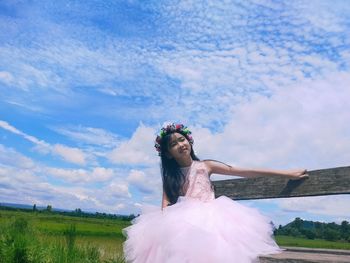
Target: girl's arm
165 200
222 168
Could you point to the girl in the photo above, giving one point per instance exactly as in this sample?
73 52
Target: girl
193 226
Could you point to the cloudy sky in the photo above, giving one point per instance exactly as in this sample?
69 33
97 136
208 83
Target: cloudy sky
86 85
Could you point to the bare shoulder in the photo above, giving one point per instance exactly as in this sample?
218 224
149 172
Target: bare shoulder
211 165
214 166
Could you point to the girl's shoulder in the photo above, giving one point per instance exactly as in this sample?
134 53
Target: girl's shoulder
210 164
204 164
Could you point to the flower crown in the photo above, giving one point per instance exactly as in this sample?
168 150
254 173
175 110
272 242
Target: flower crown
171 128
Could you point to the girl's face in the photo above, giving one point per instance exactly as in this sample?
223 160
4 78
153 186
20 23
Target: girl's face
179 148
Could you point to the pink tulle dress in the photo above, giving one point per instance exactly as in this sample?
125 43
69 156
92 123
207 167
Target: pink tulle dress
199 228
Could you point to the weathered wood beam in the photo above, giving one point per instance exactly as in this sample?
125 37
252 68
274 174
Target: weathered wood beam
308 255
320 182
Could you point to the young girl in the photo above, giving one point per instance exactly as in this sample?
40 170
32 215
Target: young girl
193 226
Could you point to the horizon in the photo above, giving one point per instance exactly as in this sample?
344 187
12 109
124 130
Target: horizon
86 86
23 206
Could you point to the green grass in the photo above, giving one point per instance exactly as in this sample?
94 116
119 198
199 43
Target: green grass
316 243
108 246
57 238
55 224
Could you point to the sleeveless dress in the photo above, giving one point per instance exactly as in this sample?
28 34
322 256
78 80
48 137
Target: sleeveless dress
199 228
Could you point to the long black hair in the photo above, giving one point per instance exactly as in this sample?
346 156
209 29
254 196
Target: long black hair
172 177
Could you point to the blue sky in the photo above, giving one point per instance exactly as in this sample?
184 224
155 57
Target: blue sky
86 85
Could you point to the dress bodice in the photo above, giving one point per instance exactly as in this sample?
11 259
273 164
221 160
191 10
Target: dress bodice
198 183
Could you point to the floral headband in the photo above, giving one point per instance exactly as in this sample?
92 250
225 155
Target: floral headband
171 128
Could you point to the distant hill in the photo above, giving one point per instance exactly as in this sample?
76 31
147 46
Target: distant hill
23 206
76 213
312 230
299 223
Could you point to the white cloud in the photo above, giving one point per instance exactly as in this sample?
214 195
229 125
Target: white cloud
84 65
138 150
117 188
6 77
5 125
337 205
218 54
90 135
81 176
19 103
24 181
70 154
10 157
139 179
329 15
303 125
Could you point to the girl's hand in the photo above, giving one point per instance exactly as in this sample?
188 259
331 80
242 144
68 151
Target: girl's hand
297 174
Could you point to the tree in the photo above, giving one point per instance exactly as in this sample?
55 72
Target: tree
34 208
298 223
49 208
345 230
78 210
331 234
319 229
294 232
310 234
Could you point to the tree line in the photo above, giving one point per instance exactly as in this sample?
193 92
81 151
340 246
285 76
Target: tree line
76 213
313 230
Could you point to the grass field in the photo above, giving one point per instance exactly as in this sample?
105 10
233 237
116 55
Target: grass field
100 239
44 237
316 243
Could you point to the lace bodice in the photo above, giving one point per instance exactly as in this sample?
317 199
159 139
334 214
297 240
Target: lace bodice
198 184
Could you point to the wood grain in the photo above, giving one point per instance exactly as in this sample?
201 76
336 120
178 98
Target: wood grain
320 182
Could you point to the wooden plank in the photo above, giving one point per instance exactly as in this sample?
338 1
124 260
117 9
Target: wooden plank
303 257
306 255
343 252
320 182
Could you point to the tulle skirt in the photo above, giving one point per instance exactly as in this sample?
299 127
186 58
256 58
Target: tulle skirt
192 231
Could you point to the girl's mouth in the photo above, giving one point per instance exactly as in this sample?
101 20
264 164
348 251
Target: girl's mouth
183 150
